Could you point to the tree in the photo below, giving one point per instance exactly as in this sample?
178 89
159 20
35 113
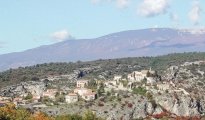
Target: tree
139 90
69 117
29 96
101 89
149 96
41 116
23 114
89 115
9 112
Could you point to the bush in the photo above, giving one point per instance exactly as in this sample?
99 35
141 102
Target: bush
69 117
129 105
29 96
139 91
10 112
149 96
100 104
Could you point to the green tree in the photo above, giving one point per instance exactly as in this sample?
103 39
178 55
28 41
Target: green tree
29 96
139 90
89 115
101 89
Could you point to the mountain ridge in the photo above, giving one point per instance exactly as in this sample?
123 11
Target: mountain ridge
131 43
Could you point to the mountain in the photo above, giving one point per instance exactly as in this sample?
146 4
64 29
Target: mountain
145 42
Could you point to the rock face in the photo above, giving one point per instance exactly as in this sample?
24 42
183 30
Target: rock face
171 73
22 89
182 106
182 95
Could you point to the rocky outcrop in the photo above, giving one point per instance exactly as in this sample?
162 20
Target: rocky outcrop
181 106
22 89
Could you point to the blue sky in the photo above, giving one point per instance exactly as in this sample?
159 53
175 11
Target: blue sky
26 24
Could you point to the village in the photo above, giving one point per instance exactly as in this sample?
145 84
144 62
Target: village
146 79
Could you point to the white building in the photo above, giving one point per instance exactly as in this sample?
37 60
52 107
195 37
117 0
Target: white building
82 91
82 83
89 96
37 98
137 76
71 98
50 93
85 93
151 80
17 100
163 87
117 77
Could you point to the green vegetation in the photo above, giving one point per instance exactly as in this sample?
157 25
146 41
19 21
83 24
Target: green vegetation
139 91
124 82
92 84
10 112
107 68
100 90
149 96
29 96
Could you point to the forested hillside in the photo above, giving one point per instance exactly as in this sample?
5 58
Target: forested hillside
92 69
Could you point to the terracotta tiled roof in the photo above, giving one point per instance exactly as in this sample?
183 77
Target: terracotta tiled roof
89 93
72 94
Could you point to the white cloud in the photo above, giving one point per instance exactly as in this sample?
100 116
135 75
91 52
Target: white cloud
153 7
95 1
119 3
195 12
122 3
174 17
2 44
61 35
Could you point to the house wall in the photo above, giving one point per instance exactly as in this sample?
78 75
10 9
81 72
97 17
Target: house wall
82 83
89 97
71 99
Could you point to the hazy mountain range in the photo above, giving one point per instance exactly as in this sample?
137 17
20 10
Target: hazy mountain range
145 42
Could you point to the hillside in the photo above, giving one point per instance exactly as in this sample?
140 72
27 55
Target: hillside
174 91
133 43
96 69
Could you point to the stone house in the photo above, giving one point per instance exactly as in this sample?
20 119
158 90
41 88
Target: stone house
117 78
3 103
151 80
82 91
85 93
89 96
82 83
163 87
2 98
36 98
50 93
17 100
136 76
71 98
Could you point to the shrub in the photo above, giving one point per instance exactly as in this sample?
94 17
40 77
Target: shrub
129 105
139 91
29 96
100 104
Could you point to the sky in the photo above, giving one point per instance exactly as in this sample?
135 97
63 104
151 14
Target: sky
26 24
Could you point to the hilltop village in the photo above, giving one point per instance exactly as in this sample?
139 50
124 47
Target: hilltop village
138 94
147 79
